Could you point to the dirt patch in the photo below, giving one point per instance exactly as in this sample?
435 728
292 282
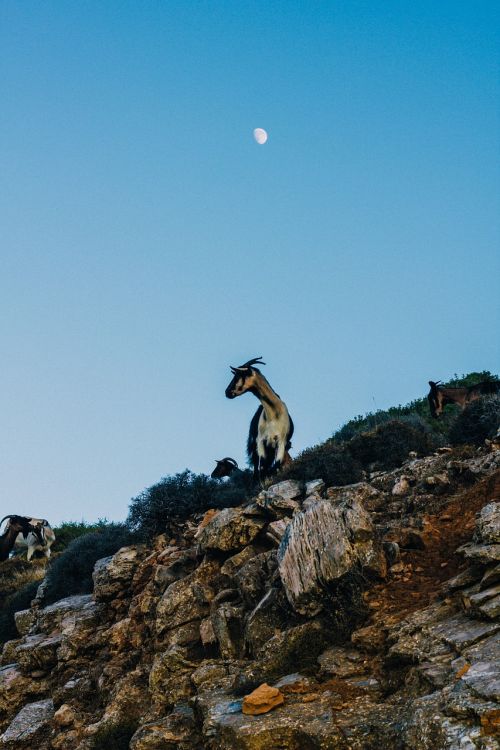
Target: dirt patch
417 581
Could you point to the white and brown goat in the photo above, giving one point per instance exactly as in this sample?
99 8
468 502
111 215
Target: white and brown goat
271 427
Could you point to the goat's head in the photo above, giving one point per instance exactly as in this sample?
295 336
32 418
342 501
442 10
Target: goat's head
244 378
435 403
224 468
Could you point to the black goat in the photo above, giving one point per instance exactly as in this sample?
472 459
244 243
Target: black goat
225 467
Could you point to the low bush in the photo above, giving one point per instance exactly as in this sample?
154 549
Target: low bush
477 422
326 461
15 603
114 736
71 572
70 530
388 445
179 496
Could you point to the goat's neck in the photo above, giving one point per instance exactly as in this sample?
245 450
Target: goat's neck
270 400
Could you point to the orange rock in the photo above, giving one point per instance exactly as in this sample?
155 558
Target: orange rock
211 513
490 722
463 670
262 699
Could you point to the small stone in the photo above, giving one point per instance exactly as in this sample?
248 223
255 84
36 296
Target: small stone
64 716
315 486
401 487
262 699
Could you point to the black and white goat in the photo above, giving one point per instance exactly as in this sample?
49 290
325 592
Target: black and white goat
39 536
17 525
271 427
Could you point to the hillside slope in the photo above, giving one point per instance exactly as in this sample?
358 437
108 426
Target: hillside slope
353 602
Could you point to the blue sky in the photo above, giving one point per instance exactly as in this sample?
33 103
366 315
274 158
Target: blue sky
147 242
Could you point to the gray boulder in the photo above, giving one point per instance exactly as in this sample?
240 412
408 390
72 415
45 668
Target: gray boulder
29 727
321 546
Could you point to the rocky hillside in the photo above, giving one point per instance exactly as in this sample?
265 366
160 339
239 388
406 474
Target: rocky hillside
309 618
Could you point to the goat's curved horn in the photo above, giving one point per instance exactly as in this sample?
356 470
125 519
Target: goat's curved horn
5 517
254 361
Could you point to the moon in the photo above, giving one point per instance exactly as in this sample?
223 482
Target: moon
260 136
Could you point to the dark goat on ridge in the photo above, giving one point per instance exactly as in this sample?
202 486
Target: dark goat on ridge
271 427
439 395
17 525
225 467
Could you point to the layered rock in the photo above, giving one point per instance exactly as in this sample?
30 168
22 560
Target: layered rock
349 604
323 546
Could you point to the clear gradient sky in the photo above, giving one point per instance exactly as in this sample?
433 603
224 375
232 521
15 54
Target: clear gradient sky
147 241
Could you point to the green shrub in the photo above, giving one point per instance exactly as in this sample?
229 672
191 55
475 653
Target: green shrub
326 461
70 530
71 572
388 445
15 603
179 496
114 736
477 422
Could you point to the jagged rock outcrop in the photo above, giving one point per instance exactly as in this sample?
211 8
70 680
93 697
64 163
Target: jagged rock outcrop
352 604
323 546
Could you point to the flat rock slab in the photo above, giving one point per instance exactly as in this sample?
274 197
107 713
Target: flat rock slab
29 727
483 678
51 617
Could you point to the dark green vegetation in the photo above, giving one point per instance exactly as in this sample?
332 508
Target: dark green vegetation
114 736
328 461
71 572
388 446
21 599
178 496
70 530
479 421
